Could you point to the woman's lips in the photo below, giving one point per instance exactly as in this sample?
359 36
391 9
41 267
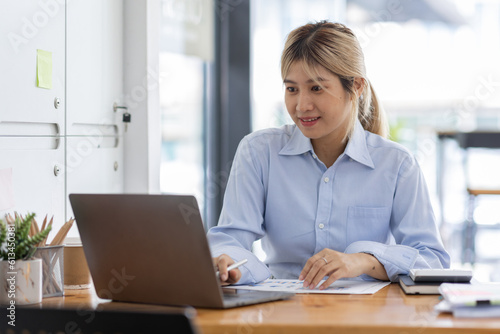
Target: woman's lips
310 121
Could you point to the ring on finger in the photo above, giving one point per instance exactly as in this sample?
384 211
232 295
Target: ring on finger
325 260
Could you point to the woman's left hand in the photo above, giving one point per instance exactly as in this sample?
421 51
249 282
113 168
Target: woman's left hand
338 265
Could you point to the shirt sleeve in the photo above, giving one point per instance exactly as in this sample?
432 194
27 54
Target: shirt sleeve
241 221
413 225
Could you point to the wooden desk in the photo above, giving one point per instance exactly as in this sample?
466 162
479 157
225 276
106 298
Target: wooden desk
388 311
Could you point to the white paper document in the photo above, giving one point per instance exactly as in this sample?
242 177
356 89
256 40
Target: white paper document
342 286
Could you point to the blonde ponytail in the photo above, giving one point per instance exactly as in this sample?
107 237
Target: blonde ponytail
371 113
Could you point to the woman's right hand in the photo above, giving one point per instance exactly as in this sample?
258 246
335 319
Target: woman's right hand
226 277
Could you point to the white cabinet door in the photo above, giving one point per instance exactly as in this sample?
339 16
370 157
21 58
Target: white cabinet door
94 70
25 27
94 64
30 124
37 175
94 165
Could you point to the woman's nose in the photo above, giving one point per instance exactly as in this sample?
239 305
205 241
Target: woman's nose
304 102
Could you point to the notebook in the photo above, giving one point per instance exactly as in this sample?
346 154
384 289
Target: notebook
411 287
152 249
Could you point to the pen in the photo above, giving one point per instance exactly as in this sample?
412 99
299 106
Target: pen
233 266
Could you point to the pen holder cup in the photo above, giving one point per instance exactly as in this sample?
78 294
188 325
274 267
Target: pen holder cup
76 270
53 270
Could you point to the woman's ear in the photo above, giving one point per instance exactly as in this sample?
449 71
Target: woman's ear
359 86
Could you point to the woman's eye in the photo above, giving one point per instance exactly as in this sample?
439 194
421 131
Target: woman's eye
291 89
316 88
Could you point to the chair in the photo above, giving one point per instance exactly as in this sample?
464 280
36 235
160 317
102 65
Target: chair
35 320
467 141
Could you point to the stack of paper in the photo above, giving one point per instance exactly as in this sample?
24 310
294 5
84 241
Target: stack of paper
470 300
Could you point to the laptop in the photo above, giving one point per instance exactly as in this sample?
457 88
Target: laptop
152 249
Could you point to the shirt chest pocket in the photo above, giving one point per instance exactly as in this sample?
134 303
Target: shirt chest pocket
368 224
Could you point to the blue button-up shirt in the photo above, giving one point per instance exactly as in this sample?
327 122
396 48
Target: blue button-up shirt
373 199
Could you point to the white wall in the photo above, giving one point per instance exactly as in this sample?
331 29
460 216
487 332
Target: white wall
143 138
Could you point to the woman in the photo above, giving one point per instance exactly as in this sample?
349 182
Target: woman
329 196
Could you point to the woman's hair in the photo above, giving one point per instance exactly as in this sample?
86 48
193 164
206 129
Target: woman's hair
334 47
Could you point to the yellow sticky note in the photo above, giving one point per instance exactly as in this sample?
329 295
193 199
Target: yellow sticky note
44 69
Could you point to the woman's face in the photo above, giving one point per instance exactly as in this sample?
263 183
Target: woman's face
321 112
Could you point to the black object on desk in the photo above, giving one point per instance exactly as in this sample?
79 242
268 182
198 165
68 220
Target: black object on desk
35 320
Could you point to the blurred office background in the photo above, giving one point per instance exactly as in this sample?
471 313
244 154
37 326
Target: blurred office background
434 63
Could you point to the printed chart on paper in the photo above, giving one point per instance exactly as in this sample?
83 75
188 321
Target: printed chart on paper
343 286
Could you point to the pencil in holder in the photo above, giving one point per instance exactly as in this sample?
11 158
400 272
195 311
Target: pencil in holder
53 270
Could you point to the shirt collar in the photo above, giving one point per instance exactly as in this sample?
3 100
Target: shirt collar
298 144
356 148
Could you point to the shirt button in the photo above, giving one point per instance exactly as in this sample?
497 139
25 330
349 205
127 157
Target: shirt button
350 159
321 226
326 179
